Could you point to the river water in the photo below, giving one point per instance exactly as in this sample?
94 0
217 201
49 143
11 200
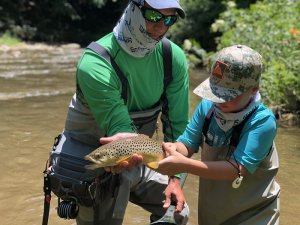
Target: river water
36 85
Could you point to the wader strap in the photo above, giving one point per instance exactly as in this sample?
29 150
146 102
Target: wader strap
238 129
235 137
167 62
47 185
47 198
100 50
112 186
207 121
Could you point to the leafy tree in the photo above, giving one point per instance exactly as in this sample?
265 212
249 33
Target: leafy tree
272 28
60 20
200 14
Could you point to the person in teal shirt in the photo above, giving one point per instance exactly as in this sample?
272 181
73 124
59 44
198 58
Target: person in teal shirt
235 132
99 113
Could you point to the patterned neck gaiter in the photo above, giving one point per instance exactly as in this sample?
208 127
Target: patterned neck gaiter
131 33
228 120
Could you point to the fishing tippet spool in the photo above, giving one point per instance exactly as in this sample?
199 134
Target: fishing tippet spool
67 209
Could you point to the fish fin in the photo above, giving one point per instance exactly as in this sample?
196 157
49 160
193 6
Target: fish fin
153 165
123 159
92 166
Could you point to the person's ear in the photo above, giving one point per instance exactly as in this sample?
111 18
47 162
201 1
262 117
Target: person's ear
254 90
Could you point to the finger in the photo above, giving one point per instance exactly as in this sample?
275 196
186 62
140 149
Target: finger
135 160
123 164
107 169
167 202
105 140
115 170
179 206
169 147
125 135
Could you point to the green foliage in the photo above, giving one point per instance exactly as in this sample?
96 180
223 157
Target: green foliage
7 39
59 21
200 14
272 28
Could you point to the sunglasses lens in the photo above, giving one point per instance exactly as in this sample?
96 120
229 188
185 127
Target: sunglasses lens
152 16
170 20
155 16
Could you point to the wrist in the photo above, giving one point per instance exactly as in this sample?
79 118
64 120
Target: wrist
175 177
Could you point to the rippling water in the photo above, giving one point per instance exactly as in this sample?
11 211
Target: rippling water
42 71
35 89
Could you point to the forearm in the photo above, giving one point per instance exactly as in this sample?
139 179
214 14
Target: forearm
216 170
178 161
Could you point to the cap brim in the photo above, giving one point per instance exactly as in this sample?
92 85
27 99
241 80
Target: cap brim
159 4
215 93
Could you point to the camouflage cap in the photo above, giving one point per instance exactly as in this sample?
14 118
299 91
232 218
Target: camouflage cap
235 70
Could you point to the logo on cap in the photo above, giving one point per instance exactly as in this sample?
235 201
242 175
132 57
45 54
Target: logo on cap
219 70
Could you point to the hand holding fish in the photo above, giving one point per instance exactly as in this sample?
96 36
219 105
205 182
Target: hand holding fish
132 162
124 151
172 163
106 140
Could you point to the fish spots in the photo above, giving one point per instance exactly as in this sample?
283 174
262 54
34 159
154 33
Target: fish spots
117 151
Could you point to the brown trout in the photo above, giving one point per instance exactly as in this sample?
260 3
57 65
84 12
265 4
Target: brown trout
113 153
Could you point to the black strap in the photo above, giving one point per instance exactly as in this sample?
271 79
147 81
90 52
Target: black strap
100 50
207 121
47 197
47 185
167 61
235 138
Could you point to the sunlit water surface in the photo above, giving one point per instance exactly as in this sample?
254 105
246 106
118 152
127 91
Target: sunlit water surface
35 90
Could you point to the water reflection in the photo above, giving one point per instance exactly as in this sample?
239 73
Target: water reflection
35 90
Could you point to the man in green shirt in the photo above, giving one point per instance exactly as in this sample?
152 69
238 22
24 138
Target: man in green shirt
100 111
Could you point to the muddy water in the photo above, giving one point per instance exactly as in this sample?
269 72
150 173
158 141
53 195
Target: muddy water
35 89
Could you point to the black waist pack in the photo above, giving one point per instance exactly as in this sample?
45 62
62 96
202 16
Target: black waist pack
68 177
67 186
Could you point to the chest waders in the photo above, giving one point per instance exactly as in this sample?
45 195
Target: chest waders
252 200
144 121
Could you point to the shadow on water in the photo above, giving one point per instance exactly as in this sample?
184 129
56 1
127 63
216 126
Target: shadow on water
35 89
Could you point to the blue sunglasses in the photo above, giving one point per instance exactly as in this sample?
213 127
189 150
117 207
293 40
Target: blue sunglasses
155 16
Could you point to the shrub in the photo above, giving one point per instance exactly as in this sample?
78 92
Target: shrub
7 39
272 28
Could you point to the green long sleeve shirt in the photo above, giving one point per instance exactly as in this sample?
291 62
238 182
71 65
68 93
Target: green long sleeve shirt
100 88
